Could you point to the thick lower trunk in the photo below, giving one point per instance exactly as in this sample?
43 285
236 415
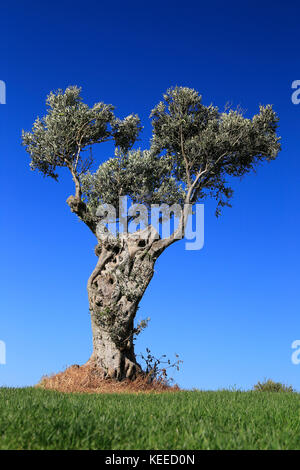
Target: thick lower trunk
115 288
116 361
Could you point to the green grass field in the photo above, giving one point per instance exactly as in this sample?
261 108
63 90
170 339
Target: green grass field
37 419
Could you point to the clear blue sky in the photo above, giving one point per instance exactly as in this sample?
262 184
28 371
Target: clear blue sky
231 310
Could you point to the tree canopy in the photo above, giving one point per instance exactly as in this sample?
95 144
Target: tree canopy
194 150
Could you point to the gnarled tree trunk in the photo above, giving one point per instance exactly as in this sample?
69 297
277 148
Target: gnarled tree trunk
124 269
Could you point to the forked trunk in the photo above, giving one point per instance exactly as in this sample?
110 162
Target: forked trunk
115 288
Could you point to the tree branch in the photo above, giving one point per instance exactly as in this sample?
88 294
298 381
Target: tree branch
186 162
178 234
77 205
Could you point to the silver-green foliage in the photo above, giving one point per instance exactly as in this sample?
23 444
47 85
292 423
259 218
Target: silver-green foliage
206 146
194 150
143 176
70 127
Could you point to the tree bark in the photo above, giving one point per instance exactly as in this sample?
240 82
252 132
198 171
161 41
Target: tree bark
124 269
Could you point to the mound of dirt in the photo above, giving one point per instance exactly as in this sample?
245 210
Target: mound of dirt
88 379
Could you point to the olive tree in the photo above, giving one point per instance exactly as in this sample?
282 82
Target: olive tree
194 152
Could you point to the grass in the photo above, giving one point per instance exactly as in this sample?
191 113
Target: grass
41 419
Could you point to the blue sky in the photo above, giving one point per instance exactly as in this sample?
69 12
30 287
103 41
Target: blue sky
230 310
